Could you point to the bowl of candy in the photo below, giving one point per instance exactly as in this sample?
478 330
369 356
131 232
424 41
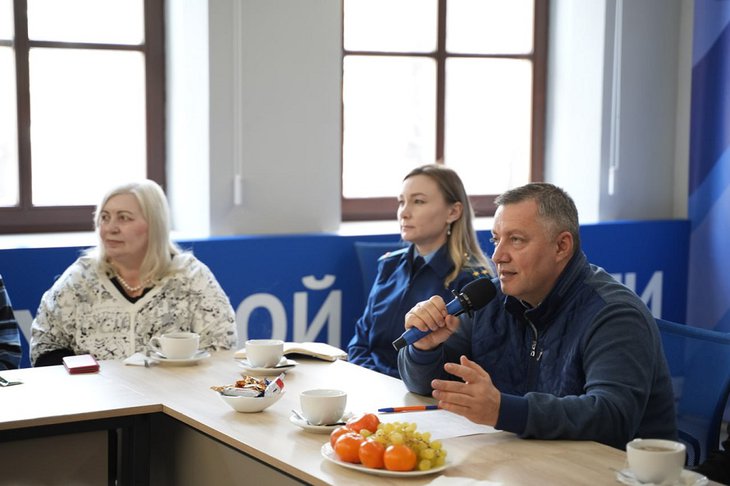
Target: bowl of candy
251 394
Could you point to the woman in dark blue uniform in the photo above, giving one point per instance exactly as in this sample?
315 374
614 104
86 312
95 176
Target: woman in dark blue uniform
435 217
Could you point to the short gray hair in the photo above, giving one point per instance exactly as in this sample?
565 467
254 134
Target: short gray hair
554 205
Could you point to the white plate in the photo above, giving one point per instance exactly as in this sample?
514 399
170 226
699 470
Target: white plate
284 365
687 478
202 354
330 455
317 429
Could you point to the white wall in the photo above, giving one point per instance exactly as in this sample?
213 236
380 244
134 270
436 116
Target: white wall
262 99
188 143
272 113
575 101
618 97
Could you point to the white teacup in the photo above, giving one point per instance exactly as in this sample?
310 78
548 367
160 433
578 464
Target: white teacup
176 345
264 353
323 406
656 460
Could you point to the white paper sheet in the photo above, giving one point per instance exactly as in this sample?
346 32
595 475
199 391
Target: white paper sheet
441 423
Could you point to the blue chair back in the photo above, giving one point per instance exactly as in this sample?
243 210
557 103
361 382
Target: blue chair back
368 253
699 363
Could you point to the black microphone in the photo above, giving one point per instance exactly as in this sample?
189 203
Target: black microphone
475 295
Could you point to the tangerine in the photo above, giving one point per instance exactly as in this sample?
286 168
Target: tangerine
371 454
368 421
347 447
399 457
335 434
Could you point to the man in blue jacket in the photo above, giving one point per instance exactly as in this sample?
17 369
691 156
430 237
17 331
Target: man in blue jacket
9 332
563 352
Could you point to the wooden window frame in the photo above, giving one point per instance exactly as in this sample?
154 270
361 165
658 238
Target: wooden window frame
26 218
381 208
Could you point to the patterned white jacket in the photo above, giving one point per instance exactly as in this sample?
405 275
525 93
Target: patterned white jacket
84 311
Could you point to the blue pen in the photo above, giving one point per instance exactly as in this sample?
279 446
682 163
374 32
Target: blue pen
413 408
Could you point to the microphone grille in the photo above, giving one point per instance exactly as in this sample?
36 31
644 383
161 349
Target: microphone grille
479 292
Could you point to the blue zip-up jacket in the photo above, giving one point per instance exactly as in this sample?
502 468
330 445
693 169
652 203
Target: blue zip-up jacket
393 294
9 332
585 364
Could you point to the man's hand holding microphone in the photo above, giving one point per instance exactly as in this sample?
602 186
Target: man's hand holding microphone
429 324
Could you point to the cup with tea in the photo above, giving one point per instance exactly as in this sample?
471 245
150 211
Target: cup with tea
264 353
323 406
176 345
656 460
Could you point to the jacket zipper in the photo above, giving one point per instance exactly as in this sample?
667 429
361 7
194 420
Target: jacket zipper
535 356
533 347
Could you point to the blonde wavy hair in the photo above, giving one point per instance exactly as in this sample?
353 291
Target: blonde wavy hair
158 261
463 245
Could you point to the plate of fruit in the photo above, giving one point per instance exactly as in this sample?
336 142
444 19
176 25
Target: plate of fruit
384 448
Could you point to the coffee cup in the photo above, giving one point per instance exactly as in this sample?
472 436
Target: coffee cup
264 353
323 406
656 460
176 345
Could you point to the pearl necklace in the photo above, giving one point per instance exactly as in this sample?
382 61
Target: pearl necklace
130 289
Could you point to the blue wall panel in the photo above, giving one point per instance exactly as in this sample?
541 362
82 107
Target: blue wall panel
308 287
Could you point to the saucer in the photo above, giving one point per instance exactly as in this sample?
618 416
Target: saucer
284 365
201 354
687 478
317 429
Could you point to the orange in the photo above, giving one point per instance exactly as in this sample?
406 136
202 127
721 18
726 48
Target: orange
399 457
347 447
368 421
335 434
371 454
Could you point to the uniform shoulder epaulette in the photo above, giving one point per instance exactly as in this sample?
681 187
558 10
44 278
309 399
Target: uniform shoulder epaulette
477 271
393 253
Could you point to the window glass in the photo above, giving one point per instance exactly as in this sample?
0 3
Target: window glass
488 124
489 26
390 25
6 20
77 145
99 21
388 122
8 130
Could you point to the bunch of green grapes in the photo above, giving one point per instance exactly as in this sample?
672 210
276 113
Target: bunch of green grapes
430 453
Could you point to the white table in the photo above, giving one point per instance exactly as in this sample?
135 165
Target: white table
197 438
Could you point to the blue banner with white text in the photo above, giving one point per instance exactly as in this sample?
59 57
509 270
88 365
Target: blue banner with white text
310 287
708 288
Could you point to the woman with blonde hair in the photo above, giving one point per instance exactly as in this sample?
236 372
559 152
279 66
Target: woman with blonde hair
135 284
435 217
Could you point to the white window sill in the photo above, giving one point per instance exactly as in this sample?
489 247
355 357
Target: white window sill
88 238
47 240
358 228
